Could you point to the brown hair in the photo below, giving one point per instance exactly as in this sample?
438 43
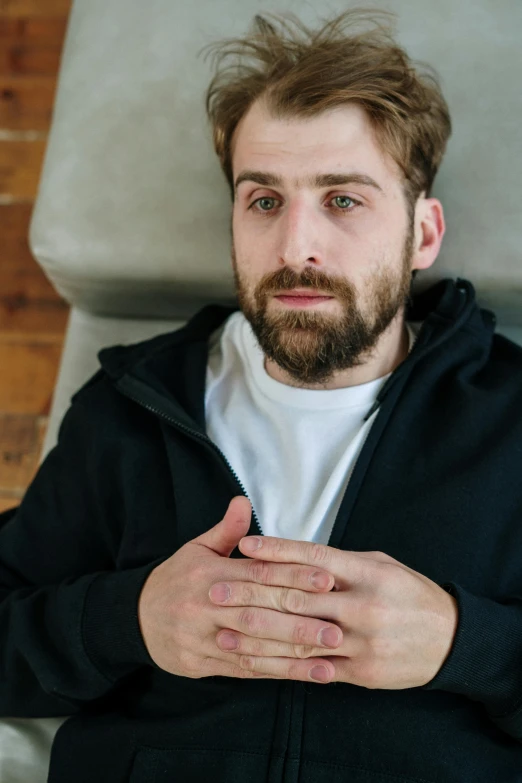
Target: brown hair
301 76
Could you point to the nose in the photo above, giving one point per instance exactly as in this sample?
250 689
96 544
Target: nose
299 237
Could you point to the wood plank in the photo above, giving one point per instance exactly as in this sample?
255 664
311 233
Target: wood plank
14 237
29 303
14 221
42 31
15 254
21 287
26 102
20 58
21 441
29 372
31 45
37 321
27 8
20 167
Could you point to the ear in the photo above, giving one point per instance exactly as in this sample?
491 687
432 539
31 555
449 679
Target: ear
429 230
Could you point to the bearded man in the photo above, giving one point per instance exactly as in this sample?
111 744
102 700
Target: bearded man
283 542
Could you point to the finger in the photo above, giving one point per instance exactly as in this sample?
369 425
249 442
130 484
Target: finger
311 670
217 662
297 576
286 550
269 624
240 644
224 536
283 599
218 668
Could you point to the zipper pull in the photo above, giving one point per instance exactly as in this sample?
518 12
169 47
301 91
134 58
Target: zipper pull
380 397
372 409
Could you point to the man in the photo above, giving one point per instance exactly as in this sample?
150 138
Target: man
282 543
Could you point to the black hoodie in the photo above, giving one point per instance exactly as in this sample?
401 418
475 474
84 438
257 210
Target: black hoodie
134 476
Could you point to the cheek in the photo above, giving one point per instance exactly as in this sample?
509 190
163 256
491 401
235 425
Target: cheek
255 255
246 239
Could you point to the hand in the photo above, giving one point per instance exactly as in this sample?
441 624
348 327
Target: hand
398 626
178 621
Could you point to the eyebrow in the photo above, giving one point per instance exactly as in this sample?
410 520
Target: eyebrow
315 181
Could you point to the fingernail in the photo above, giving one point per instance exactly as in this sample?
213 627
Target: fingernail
251 543
329 637
227 641
219 592
319 580
319 674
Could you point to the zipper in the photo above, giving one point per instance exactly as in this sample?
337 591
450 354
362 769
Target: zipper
391 380
209 443
199 436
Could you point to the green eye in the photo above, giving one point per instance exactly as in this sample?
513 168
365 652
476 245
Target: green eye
261 200
343 199
344 204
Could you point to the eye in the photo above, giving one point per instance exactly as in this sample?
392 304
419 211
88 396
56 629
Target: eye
262 200
264 205
342 206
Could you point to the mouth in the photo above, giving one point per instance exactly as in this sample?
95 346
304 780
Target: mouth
299 299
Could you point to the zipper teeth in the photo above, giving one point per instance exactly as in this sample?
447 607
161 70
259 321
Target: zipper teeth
202 438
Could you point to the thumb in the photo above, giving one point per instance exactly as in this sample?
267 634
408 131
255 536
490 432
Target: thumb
225 536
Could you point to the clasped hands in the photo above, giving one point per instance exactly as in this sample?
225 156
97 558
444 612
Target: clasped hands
292 610
361 617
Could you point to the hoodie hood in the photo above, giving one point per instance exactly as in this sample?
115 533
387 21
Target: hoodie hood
163 364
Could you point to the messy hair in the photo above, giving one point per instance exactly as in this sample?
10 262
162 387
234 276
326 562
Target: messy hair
301 73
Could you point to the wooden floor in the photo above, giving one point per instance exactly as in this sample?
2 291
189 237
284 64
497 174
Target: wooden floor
33 317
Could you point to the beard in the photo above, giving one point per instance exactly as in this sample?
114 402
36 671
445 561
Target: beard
310 346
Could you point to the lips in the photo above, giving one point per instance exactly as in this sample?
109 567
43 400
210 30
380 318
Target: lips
302 299
303 294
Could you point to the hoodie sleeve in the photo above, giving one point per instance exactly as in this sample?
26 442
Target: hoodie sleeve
485 661
68 618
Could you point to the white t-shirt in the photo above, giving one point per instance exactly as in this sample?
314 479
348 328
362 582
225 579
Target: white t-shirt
292 449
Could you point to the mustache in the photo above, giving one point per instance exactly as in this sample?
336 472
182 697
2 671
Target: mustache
286 279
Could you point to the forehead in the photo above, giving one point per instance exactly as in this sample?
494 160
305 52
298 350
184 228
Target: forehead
293 147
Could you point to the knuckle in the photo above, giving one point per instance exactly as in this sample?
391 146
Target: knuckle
247 593
302 651
198 572
293 601
253 647
300 634
319 554
177 612
190 664
191 607
380 573
369 676
295 672
250 620
241 673
376 615
259 571
380 648
247 663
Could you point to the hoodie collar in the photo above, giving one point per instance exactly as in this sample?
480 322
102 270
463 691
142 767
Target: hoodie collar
173 365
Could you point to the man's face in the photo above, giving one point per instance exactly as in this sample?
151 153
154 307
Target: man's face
351 243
